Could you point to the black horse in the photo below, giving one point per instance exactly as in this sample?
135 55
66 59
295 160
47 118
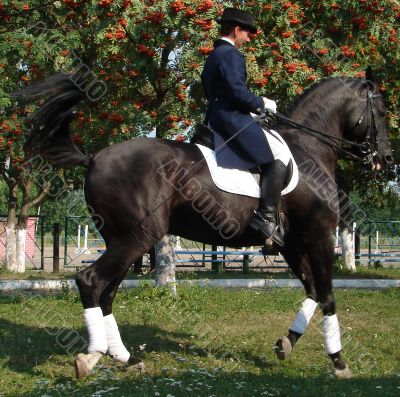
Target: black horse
143 189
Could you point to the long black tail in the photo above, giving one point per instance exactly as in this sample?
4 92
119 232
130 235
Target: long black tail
50 135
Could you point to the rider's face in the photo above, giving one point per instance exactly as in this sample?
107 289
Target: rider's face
242 36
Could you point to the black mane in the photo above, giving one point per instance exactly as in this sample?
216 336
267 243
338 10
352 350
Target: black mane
316 86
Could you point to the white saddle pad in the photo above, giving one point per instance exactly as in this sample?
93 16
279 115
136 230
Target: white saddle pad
238 181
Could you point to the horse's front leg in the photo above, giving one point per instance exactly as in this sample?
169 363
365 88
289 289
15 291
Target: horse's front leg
321 253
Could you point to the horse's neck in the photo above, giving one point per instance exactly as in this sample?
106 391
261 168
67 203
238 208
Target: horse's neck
321 116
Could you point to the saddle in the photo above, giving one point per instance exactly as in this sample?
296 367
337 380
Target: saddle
204 136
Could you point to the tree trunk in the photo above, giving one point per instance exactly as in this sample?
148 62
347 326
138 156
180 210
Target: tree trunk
165 263
20 248
345 230
16 226
346 238
15 246
21 229
10 228
11 248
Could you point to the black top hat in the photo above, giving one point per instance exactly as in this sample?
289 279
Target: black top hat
242 18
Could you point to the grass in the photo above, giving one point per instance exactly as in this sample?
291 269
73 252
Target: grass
208 342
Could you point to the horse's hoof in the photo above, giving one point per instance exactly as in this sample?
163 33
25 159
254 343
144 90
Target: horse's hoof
283 348
344 373
84 363
137 365
141 367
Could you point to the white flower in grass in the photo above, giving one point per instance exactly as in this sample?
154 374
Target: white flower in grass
170 395
156 393
142 347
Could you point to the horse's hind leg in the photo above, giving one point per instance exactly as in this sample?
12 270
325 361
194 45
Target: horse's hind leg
116 348
298 261
96 281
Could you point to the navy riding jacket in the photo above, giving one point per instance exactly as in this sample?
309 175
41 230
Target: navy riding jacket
230 103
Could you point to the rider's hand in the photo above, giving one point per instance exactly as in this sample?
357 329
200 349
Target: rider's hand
269 104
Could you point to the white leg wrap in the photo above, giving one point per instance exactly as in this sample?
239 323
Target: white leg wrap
331 331
96 330
116 348
304 316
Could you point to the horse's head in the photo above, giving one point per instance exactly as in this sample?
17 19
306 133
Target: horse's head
365 123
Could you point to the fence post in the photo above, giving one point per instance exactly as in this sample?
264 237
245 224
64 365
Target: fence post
41 219
369 242
357 244
65 241
246 264
214 258
56 247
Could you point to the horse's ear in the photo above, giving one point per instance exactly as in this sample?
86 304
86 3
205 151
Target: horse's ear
369 75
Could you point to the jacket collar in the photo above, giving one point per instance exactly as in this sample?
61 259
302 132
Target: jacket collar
220 42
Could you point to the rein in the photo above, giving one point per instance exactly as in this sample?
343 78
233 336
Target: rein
329 140
367 148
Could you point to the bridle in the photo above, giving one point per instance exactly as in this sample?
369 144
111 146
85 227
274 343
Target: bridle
367 148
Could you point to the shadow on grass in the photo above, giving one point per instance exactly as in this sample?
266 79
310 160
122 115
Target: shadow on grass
26 347
200 383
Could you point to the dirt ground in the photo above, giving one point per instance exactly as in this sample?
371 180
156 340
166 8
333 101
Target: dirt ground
75 258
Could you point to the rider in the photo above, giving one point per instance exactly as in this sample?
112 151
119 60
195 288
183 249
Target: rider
239 141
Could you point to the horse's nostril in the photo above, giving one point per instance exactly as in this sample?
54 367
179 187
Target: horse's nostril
389 159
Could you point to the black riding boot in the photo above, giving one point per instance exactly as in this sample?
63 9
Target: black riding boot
272 180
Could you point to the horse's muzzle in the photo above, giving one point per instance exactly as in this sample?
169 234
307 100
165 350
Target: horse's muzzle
382 158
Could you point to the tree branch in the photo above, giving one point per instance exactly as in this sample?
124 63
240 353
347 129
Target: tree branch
41 195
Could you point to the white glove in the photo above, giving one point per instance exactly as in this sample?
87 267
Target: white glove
269 104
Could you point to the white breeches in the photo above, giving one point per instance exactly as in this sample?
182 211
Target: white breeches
278 146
